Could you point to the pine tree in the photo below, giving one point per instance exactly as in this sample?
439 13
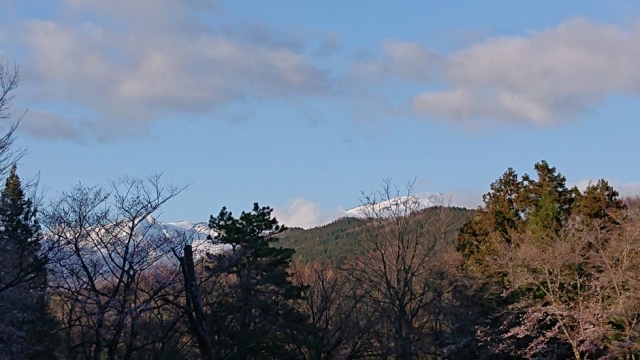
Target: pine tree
541 205
254 319
601 203
502 214
547 199
24 328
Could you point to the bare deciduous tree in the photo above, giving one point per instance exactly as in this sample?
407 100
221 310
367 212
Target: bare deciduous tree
576 292
114 267
404 277
9 81
340 318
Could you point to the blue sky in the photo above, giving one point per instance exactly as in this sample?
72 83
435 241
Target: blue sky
303 105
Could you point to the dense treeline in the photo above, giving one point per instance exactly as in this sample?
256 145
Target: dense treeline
540 271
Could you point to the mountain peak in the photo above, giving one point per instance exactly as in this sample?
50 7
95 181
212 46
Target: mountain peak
397 206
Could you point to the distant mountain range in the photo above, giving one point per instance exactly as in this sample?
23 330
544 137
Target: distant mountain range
197 233
327 239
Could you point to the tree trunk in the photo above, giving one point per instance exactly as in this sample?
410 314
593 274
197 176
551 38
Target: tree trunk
194 308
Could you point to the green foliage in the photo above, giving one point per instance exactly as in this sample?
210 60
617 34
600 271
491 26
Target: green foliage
345 238
334 242
18 217
546 201
600 202
542 206
255 318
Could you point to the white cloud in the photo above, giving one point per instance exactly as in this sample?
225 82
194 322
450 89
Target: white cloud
125 64
543 77
135 63
303 213
402 59
43 124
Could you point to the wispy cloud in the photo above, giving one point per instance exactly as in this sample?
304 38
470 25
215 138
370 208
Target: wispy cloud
46 125
543 77
405 60
139 61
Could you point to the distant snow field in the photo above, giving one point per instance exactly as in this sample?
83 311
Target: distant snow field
397 206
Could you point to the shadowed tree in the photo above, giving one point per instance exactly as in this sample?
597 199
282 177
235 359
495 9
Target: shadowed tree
113 268
240 302
21 258
25 327
254 317
342 324
406 278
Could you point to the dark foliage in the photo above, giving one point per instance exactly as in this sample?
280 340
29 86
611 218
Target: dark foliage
25 326
255 319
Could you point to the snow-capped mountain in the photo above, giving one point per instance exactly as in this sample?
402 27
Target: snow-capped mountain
195 234
397 206
151 226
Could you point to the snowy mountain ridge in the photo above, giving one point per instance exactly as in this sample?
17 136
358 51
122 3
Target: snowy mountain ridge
198 232
397 206
193 233
153 227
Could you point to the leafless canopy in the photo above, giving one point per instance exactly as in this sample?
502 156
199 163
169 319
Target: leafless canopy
402 277
9 81
112 274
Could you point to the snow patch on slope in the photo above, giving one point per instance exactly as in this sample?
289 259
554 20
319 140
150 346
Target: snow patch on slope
194 234
397 206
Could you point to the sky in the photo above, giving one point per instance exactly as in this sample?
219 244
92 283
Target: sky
305 105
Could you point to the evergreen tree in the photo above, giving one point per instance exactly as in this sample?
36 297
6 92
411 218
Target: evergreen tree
541 205
600 202
546 200
25 326
254 318
502 214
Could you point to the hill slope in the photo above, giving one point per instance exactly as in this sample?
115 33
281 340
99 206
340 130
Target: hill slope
344 238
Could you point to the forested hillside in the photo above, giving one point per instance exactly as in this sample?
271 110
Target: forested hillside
345 237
